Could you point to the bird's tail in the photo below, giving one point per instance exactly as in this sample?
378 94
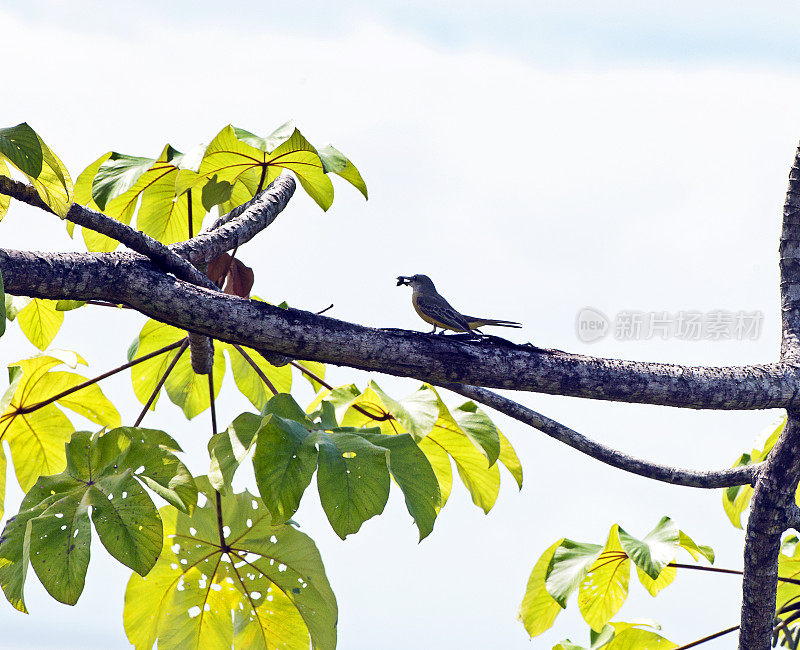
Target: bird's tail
480 322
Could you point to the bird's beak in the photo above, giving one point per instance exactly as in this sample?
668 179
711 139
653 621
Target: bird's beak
402 279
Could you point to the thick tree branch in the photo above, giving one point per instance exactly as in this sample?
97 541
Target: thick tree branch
773 508
137 241
771 511
240 225
122 277
675 475
790 265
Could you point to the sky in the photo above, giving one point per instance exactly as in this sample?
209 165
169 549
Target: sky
534 159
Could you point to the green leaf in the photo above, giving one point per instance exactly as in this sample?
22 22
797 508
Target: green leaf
22 147
479 429
229 448
52 529
215 193
334 161
417 413
250 383
656 550
69 305
267 590
284 462
352 479
413 473
604 588
571 562
116 175
151 457
694 550
509 458
735 500
539 609
40 322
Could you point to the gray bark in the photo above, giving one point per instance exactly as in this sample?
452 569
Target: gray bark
494 363
772 509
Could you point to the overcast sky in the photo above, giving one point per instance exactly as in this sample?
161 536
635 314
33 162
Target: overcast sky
533 159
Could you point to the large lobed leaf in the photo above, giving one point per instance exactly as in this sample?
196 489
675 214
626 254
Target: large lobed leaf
36 435
354 465
231 578
601 574
104 471
465 435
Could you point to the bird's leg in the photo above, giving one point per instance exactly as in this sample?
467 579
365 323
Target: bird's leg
433 331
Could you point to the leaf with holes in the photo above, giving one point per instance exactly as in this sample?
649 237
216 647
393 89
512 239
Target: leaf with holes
102 471
40 321
35 431
250 584
228 449
445 440
21 146
184 387
539 609
249 380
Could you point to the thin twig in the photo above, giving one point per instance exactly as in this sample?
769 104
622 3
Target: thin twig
255 367
212 403
157 389
33 407
378 418
710 637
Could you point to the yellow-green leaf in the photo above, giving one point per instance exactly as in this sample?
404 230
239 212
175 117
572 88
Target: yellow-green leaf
248 380
539 609
268 591
36 436
40 321
605 587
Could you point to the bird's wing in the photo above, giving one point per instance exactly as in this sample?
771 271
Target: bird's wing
439 310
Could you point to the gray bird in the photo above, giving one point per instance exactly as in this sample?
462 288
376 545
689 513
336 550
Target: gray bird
434 309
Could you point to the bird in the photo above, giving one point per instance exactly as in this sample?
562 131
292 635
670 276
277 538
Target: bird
434 309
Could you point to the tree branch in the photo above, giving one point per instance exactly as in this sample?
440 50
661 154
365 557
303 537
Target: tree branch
772 508
121 277
790 265
240 225
769 516
609 456
161 255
